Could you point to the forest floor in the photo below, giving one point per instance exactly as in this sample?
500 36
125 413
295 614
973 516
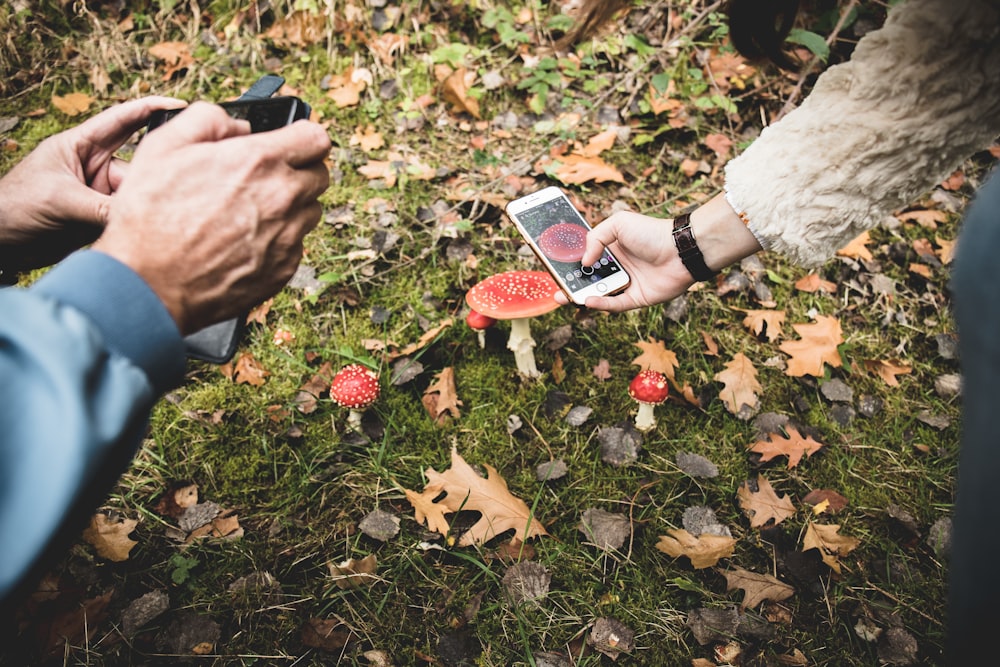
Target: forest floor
805 524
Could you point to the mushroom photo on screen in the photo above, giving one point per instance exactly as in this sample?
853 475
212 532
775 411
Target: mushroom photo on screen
563 242
517 296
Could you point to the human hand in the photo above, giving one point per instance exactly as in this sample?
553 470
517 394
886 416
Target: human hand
645 249
213 217
56 199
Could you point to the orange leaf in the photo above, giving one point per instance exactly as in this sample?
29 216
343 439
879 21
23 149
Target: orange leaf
817 345
600 143
705 550
947 252
766 322
927 219
711 347
720 145
740 385
764 504
455 91
921 270
110 538
857 249
447 400
573 169
175 56
656 357
369 139
825 537
300 28
955 181
794 447
73 104
249 371
813 283
888 370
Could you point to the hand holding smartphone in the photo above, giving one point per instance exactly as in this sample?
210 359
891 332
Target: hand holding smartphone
557 233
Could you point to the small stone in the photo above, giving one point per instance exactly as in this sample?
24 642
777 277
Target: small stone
676 310
767 423
618 446
837 391
842 415
939 537
526 581
701 520
947 345
605 530
948 385
493 79
550 470
869 406
940 422
611 637
578 415
142 610
380 525
896 646
696 465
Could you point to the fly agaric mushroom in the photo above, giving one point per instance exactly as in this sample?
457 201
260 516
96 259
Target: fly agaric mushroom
354 387
649 388
479 323
564 242
516 296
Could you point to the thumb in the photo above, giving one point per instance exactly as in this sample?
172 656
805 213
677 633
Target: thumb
79 203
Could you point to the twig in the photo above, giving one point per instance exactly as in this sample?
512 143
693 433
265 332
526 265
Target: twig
793 97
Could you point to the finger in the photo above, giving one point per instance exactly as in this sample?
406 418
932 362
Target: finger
200 122
613 304
599 238
81 203
112 127
301 144
116 173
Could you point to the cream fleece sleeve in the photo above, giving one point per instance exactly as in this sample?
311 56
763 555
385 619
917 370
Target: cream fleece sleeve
917 97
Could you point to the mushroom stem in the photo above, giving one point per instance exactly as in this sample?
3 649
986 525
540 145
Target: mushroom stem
354 420
522 345
482 338
645 420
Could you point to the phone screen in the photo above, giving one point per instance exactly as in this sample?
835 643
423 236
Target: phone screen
559 234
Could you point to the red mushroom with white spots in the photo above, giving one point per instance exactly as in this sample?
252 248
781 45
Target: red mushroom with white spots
355 387
479 323
516 296
563 242
649 388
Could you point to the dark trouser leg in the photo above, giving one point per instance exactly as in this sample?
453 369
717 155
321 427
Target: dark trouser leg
974 596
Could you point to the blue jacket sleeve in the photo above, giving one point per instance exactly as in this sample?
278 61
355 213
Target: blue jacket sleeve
84 354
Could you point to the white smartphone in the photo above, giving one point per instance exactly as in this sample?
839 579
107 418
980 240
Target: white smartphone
557 233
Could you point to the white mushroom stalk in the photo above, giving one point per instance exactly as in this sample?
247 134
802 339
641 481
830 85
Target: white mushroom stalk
649 388
645 419
523 346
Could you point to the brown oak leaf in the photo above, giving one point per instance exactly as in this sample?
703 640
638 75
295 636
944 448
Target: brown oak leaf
740 385
756 587
813 283
353 573
656 357
441 397
765 322
464 489
764 504
817 346
110 538
703 551
830 543
834 502
888 370
858 248
249 371
794 447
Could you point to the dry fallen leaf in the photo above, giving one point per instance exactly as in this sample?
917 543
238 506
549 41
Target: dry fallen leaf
576 169
465 490
888 370
756 587
455 91
764 504
825 537
813 283
817 346
354 573
175 56
703 551
656 357
249 371
928 219
441 397
110 538
765 322
794 447
834 501
72 104
367 138
857 248
740 385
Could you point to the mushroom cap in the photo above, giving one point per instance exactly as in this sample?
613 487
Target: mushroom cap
564 242
514 294
649 386
355 387
478 321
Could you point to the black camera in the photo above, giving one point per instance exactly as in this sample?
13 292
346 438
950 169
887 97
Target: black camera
217 343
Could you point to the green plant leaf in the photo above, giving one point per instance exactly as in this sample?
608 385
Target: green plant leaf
815 43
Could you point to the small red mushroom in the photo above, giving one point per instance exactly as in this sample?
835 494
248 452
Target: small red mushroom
516 296
355 387
480 323
563 242
649 388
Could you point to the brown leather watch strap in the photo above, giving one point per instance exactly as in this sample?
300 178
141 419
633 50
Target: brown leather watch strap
687 248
